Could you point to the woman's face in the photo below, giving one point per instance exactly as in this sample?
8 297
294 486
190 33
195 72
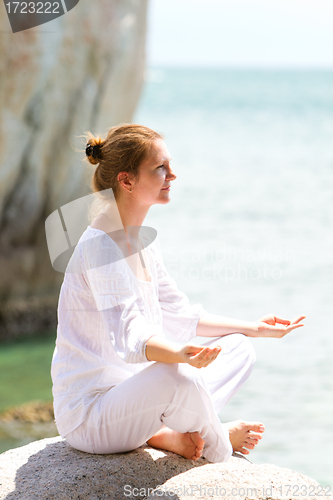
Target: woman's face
155 175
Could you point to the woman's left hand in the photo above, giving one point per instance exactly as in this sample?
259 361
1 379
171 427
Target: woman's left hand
273 326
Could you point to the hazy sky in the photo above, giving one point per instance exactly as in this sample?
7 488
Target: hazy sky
240 32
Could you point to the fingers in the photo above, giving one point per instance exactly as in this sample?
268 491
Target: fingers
205 357
271 320
293 327
297 319
289 328
283 321
279 331
292 322
210 356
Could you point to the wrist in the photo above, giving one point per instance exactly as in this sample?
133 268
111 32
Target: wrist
181 355
160 349
251 330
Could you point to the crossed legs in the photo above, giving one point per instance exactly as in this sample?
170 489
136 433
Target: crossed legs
223 378
172 406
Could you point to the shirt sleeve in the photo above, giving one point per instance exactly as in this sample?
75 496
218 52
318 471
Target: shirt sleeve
121 309
180 318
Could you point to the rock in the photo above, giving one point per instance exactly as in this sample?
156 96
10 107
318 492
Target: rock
237 479
25 423
81 71
50 469
33 411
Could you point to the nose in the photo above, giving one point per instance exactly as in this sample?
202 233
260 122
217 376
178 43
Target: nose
171 175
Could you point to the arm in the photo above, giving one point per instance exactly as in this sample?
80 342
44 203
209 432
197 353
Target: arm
177 311
166 351
214 325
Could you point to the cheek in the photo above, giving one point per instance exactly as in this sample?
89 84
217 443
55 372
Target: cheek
157 178
160 175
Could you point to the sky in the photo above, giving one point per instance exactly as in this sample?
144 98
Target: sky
257 33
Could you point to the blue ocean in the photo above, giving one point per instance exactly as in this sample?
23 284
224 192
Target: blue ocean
249 231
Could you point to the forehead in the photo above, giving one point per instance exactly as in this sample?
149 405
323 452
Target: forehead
159 152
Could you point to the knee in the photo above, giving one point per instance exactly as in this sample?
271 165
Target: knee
187 374
251 353
245 347
181 376
176 374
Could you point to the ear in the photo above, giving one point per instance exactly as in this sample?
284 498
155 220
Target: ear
126 180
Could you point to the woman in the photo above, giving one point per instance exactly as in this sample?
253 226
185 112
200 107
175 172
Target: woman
118 382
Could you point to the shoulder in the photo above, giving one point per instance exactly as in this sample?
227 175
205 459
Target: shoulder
99 249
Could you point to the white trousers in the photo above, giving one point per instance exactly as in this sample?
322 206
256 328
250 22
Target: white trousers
184 398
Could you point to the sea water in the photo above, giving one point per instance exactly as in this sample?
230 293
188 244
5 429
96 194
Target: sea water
249 231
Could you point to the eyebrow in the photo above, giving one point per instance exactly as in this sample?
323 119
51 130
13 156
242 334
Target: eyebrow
165 159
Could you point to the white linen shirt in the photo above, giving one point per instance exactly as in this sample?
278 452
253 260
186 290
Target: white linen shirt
105 317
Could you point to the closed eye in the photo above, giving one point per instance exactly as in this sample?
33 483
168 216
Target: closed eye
168 161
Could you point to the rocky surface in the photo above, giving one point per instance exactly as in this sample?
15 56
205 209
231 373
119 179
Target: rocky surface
82 71
239 479
50 469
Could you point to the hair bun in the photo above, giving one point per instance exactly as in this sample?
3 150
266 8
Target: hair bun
93 151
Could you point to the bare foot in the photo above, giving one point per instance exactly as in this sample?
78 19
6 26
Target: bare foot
244 435
188 445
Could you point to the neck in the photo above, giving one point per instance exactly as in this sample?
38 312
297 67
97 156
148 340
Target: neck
132 213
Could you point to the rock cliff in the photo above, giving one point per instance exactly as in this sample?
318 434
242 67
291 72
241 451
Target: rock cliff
82 71
51 469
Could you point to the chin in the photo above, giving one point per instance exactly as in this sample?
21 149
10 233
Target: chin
164 201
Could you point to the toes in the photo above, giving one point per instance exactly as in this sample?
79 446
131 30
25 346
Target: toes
249 445
253 435
253 441
248 426
197 440
255 427
197 455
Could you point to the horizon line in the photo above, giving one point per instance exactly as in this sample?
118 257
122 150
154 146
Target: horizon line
282 67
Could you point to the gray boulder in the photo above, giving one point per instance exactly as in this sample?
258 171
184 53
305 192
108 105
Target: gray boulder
82 71
50 469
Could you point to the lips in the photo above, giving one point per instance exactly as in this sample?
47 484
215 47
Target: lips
165 189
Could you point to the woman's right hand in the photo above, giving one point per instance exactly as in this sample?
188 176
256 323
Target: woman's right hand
199 356
167 351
